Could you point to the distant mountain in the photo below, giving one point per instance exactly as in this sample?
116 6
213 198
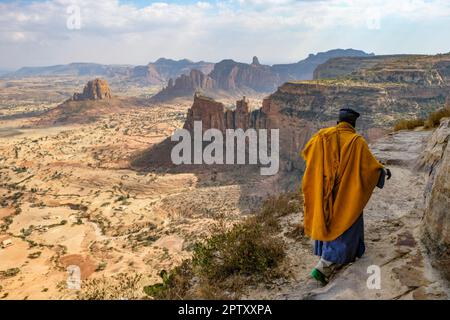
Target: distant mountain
169 68
160 71
154 73
226 74
185 86
232 75
237 77
304 69
4 71
73 69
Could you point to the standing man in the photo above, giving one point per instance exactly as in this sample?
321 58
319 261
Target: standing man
340 176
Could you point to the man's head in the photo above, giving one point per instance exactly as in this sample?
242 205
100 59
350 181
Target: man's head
348 115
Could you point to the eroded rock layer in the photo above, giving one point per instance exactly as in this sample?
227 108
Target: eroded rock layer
436 227
96 89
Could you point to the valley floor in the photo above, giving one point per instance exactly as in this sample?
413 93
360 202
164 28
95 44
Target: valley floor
68 197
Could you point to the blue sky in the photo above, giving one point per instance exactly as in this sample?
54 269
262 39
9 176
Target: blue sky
51 32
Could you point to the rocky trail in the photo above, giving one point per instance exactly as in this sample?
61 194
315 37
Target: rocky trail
392 231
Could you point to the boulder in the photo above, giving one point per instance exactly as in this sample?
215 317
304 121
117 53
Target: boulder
436 222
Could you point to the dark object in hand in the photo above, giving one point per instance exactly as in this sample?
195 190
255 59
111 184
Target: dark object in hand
388 174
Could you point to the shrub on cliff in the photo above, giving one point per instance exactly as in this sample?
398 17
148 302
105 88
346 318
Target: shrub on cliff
404 124
250 251
434 118
244 250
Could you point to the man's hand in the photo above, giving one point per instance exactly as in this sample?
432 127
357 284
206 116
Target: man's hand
388 174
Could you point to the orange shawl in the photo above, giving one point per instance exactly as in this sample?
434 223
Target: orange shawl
339 179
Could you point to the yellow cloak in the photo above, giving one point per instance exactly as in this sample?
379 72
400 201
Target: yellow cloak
339 179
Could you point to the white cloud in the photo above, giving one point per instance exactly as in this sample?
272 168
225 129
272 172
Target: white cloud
209 30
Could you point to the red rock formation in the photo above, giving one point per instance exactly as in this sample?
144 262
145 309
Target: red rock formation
214 114
230 75
210 112
185 85
97 89
294 132
300 108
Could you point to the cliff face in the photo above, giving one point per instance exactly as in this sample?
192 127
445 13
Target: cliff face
97 89
227 76
160 71
230 75
343 66
304 69
294 131
436 227
414 70
169 68
407 69
147 75
185 85
214 114
298 109
237 78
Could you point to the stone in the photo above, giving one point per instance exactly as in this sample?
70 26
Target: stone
436 221
97 89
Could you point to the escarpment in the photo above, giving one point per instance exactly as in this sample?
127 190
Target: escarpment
185 85
298 109
436 221
229 77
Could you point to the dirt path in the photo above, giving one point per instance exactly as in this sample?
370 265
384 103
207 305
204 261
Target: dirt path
392 232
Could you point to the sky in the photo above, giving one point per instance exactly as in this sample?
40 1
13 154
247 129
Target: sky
49 32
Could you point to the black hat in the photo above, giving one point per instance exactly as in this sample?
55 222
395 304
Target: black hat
348 115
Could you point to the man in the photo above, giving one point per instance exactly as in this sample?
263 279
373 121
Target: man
339 179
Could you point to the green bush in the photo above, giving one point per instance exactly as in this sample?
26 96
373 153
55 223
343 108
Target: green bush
175 285
246 249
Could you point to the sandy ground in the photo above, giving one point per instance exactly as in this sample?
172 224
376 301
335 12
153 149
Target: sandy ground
68 197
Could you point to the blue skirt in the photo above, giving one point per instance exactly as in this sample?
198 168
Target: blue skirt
345 248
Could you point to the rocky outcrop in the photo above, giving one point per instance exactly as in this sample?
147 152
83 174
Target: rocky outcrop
235 78
343 66
97 89
147 75
160 71
185 85
436 222
230 75
298 109
421 70
214 114
210 112
168 68
227 76
294 132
